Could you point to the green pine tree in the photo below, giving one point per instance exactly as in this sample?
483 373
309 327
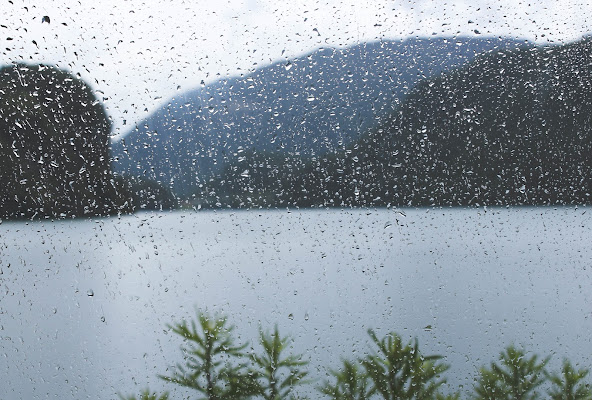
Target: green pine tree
278 374
214 365
399 371
351 383
516 377
570 384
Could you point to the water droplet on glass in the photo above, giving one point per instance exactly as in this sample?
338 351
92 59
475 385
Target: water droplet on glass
90 293
291 316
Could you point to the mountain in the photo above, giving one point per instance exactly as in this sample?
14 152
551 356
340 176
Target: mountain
312 105
513 127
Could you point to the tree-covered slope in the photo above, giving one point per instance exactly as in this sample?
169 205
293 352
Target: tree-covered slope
54 146
512 127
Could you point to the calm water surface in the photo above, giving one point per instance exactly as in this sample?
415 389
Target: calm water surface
84 304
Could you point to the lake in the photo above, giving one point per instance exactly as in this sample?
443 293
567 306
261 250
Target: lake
84 304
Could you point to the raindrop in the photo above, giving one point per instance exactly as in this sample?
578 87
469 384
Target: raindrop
45 19
288 66
90 293
291 316
14 150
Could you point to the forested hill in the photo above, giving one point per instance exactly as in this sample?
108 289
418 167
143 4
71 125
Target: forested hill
54 150
311 105
54 146
512 127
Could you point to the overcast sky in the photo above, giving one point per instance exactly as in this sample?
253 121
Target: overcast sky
138 54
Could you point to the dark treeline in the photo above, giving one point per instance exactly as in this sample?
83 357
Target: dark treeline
54 150
512 127
215 367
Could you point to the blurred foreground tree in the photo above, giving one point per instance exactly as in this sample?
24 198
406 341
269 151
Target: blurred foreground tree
570 385
278 375
395 371
516 377
214 365
351 383
218 369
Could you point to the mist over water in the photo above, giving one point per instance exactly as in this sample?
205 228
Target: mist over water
84 304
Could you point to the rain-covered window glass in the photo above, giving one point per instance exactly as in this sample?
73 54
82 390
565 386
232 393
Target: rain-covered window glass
286 200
